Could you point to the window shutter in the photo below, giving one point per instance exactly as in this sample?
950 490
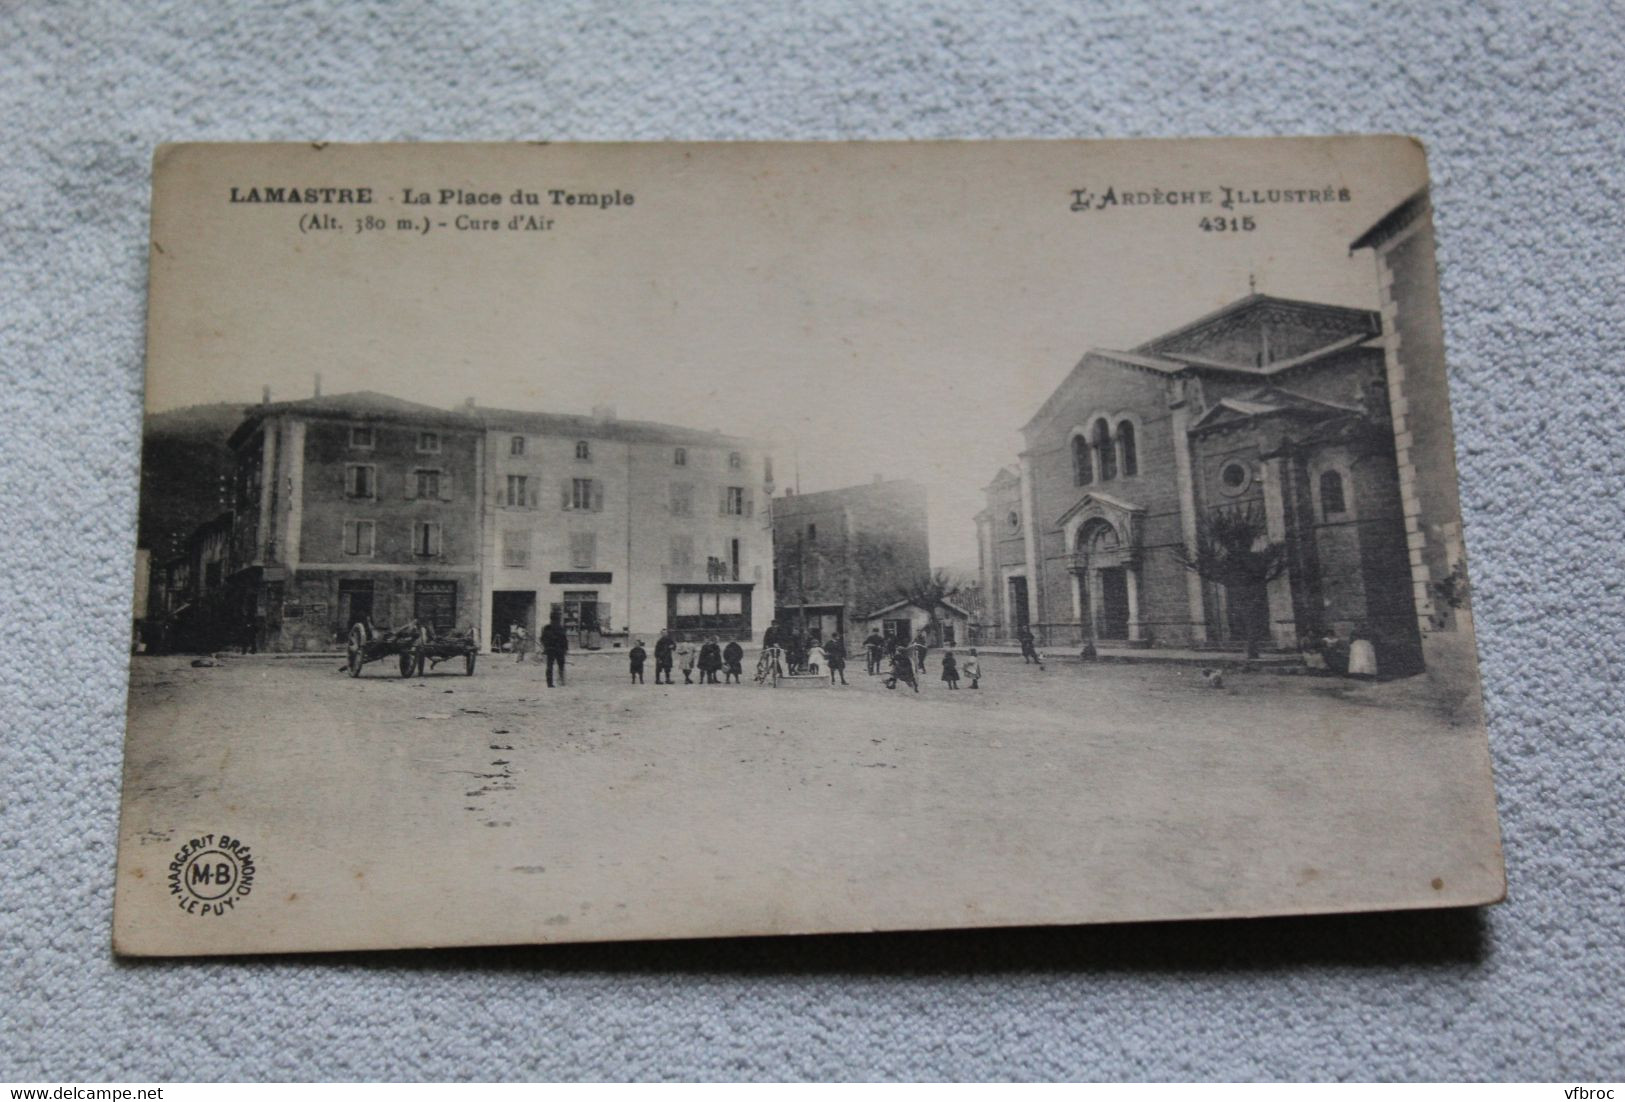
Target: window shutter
564 503
597 496
434 539
411 485
722 506
750 505
535 494
445 485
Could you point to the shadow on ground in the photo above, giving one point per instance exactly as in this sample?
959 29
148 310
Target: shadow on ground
1447 937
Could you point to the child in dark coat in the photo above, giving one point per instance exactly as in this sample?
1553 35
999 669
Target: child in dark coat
835 655
902 669
638 656
710 661
733 657
950 669
664 648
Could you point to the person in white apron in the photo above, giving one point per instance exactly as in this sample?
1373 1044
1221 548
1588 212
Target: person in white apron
1362 654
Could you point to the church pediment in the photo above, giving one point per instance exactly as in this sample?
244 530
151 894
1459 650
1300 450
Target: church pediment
1094 508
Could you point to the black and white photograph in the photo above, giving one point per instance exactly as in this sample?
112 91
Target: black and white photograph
547 543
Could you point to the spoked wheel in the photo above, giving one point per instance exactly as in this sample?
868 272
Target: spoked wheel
410 663
354 648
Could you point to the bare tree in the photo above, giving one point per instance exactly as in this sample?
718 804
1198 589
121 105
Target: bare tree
1232 550
928 590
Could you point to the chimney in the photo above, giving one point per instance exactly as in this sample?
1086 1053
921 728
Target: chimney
265 395
603 413
318 387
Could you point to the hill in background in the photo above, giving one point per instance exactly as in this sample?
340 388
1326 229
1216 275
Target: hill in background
185 472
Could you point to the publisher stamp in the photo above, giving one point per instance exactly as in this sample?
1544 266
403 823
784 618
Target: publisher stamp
211 874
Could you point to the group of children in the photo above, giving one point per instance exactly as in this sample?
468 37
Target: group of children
903 669
710 658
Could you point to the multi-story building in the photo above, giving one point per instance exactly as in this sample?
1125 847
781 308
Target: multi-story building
624 528
839 555
1269 415
1413 352
354 506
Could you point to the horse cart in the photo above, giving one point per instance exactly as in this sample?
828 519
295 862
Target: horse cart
413 647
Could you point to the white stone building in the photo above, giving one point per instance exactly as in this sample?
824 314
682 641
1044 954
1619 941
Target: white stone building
624 528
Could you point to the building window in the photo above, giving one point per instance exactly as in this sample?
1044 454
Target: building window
1105 453
682 499
812 533
516 445
679 458
427 484
734 503
1234 478
1332 502
581 610
426 539
358 537
361 436
1083 468
735 461
519 492
702 611
583 450
583 550
1130 459
360 480
682 550
583 495
516 547
429 442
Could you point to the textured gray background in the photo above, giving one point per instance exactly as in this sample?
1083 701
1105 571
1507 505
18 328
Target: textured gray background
1520 107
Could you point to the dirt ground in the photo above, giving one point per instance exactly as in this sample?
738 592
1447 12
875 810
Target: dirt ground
450 809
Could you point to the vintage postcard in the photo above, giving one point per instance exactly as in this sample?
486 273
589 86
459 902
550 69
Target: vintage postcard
547 543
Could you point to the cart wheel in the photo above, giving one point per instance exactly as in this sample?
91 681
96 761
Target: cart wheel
353 651
470 662
409 663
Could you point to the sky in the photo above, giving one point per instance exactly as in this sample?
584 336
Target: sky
890 308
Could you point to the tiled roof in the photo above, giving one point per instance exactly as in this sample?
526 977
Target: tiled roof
358 405
587 427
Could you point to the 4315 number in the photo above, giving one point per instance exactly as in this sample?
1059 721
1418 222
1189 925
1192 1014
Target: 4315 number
1244 224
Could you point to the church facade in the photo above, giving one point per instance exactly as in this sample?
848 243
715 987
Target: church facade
1263 429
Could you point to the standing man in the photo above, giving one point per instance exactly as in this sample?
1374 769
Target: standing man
1029 649
555 645
664 648
872 648
921 645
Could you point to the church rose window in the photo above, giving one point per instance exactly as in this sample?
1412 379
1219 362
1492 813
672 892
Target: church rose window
1082 469
1234 477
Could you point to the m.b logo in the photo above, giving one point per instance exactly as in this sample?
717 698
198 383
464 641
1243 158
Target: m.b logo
211 874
